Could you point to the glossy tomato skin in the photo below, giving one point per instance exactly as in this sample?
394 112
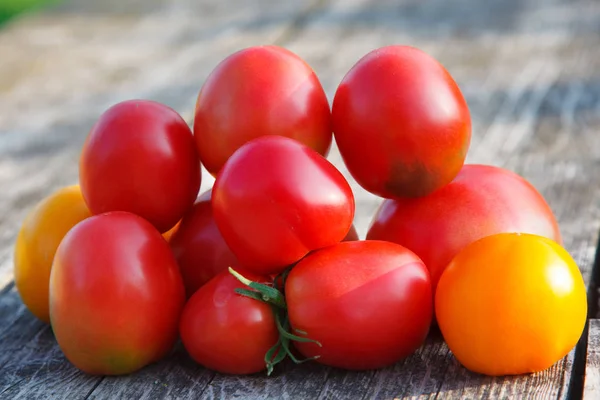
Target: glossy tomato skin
368 303
402 125
261 90
199 247
482 200
511 304
41 233
116 294
225 331
277 199
140 157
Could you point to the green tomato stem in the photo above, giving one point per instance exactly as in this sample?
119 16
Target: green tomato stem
274 296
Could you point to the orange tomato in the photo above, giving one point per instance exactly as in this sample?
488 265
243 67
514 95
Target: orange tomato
167 235
37 241
510 304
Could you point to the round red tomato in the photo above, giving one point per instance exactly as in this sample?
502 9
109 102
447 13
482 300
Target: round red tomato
276 199
116 294
482 200
261 90
225 331
140 157
401 123
198 246
368 303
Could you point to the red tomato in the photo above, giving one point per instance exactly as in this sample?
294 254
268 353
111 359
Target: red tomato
481 201
262 90
140 157
401 123
368 303
277 199
198 246
225 331
116 294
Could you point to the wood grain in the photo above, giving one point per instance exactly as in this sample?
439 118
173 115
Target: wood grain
591 389
530 71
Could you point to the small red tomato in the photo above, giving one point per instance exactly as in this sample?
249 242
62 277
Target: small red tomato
401 123
225 331
140 157
116 294
368 303
482 200
261 90
198 246
276 199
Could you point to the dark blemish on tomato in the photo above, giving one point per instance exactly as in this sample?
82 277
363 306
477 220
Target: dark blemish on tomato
413 180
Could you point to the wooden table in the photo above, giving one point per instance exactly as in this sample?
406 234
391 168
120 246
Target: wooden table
530 71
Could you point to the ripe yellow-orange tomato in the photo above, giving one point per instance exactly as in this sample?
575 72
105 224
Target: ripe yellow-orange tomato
511 304
37 241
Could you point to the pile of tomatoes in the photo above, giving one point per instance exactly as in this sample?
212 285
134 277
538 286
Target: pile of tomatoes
267 264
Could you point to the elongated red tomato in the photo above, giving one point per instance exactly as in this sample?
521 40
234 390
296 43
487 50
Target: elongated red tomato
482 200
199 247
368 303
261 90
401 123
277 199
140 157
116 294
225 331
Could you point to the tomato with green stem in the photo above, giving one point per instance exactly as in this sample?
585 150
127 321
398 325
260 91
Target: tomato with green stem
367 303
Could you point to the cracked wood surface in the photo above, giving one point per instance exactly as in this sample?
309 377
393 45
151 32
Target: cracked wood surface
530 71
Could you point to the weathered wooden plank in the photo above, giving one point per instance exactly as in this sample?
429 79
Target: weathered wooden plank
591 388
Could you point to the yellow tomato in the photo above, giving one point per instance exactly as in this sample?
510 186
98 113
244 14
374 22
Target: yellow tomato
511 304
37 241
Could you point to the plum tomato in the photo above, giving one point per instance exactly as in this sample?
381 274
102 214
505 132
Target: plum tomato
140 157
511 304
37 241
276 199
225 331
199 247
401 123
260 90
116 294
482 200
368 303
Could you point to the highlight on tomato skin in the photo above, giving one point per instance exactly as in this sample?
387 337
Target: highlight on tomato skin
275 200
482 200
199 247
369 303
225 331
401 123
116 294
511 304
258 91
140 157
